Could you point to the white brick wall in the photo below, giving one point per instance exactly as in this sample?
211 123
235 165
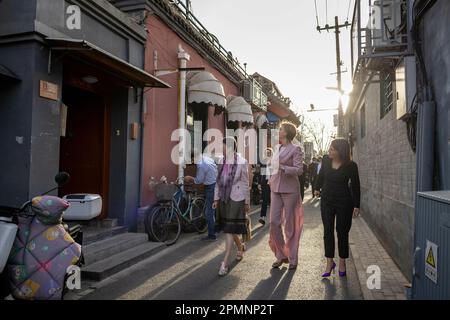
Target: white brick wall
387 169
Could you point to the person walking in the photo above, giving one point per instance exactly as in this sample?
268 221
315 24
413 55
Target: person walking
302 179
232 199
265 187
339 187
312 174
206 175
286 209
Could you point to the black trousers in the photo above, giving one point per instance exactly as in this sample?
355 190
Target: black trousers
265 194
302 188
341 214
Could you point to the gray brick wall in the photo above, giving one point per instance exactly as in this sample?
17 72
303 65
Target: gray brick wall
387 168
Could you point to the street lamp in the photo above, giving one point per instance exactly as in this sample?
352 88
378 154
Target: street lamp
313 109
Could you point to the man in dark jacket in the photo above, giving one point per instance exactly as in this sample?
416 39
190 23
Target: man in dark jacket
312 174
303 178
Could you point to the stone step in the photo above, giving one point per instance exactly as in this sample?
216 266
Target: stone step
94 234
120 261
103 249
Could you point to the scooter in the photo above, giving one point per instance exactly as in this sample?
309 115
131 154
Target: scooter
36 247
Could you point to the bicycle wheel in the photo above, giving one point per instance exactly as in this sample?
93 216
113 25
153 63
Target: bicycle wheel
165 225
147 221
198 215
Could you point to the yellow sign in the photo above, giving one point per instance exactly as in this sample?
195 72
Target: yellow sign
430 258
431 261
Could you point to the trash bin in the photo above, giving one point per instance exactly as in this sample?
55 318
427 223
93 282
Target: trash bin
83 206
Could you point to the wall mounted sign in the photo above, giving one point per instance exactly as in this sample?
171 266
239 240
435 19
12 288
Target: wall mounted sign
431 261
134 131
48 90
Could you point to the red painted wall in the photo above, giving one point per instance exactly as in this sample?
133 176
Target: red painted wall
162 104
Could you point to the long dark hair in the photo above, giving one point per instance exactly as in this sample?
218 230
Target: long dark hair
343 149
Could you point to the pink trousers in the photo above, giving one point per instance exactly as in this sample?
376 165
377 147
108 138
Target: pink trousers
286 223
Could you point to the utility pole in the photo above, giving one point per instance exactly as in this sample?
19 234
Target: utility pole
337 31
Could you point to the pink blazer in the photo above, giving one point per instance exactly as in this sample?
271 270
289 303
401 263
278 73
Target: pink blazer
240 189
285 179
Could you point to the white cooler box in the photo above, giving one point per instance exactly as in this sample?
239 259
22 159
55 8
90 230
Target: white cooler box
83 206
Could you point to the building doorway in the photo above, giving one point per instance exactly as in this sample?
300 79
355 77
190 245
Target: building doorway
84 149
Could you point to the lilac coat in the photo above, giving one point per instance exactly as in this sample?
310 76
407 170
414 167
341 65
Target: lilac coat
240 189
290 167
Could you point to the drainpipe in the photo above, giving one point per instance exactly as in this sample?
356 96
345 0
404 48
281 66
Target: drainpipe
426 145
183 58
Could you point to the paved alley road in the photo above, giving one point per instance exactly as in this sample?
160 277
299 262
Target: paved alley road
189 271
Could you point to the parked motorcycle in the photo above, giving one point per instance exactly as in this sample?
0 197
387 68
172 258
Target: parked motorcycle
36 247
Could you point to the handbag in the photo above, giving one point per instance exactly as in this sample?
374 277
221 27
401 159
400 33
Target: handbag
248 236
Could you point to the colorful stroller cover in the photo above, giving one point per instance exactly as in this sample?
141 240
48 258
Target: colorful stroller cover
42 252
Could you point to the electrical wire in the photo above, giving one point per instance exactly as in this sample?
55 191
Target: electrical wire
349 6
317 13
411 124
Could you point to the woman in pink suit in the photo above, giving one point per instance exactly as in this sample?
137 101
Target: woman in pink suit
286 210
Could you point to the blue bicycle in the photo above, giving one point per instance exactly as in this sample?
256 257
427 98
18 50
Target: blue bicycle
177 208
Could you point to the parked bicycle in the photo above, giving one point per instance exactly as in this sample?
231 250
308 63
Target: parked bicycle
176 207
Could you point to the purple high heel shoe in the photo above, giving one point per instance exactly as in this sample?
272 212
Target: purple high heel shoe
327 274
342 273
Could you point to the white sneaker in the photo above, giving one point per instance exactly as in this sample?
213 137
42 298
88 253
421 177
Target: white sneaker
223 270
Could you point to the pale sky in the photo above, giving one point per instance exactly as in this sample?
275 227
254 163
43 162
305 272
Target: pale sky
279 40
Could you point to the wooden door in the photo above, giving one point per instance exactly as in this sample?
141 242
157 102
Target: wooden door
84 150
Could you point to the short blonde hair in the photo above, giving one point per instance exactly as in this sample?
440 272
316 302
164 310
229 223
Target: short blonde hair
291 130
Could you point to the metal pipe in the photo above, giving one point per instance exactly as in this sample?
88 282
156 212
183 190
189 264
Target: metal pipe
425 146
183 58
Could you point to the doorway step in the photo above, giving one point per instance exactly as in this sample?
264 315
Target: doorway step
109 249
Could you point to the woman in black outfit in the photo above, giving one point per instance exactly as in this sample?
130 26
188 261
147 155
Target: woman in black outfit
339 188
265 188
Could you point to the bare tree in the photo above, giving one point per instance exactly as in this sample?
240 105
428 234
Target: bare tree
320 134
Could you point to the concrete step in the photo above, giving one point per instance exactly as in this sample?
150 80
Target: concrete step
120 261
94 234
102 223
103 249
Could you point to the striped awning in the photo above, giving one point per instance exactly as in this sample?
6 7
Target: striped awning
203 87
239 110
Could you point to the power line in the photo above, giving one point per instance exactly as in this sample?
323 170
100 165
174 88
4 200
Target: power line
317 13
349 6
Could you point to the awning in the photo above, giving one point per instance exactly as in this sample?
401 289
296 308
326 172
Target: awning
239 110
7 75
272 117
108 61
261 119
203 87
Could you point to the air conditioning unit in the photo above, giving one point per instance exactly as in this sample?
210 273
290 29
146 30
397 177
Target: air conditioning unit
247 90
252 93
385 21
264 101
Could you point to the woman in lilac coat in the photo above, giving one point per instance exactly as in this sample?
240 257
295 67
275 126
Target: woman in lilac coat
286 210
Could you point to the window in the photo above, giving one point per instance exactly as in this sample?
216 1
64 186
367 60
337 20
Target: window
196 113
386 92
362 120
